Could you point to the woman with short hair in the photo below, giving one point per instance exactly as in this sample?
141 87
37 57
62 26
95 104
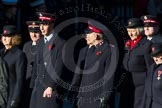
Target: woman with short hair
136 62
16 64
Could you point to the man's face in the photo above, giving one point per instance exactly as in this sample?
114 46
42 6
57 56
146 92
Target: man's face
91 38
46 29
132 32
34 36
158 59
149 31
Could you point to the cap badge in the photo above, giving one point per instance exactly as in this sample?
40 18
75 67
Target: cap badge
33 23
129 22
5 31
145 17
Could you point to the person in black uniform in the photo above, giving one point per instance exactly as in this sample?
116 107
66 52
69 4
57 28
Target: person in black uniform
3 84
30 50
92 66
48 66
153 84
136 62
151 28
16 65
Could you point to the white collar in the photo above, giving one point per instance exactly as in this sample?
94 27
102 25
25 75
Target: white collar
149 38
34 43
49 37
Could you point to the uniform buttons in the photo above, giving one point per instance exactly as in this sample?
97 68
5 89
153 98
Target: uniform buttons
45 63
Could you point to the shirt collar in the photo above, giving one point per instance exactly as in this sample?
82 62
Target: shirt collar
149 38
34 43
49 37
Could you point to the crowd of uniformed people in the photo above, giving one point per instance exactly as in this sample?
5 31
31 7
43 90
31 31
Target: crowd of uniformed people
33 77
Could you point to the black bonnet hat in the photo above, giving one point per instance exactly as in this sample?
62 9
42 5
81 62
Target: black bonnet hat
134 22
156 49
9 30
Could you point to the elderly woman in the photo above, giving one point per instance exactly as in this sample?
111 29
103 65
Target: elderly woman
136 62
16 65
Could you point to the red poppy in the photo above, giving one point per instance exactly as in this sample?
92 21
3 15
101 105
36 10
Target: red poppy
159 73
128 44
98 53
50 47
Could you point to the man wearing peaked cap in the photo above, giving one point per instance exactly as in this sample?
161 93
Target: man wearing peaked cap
97 50
30 49
153 93
47 66
151 28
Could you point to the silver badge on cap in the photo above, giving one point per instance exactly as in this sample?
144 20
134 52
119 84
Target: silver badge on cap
145 17
129 22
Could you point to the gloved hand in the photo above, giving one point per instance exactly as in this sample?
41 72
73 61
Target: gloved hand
14 104
104 103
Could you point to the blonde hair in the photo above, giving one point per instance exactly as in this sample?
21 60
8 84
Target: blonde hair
140 31
16 40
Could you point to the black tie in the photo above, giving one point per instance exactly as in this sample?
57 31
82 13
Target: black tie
45 40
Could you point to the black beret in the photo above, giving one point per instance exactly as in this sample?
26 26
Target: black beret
134 22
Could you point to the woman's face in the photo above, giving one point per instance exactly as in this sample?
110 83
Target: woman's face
149 31
132 32
158 59
90 38
6 40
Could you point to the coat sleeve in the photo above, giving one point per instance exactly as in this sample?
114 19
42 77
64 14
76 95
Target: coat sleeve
108 87
148 58
4 82
20 68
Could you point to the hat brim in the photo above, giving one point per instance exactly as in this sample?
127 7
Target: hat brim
134 25
156 53
150 24
87 31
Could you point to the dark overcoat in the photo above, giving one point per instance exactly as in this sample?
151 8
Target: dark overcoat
92 77
30 52
136 62
153 88
47 69
16 65
3 84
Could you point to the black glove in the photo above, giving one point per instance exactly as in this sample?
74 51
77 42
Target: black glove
14 104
